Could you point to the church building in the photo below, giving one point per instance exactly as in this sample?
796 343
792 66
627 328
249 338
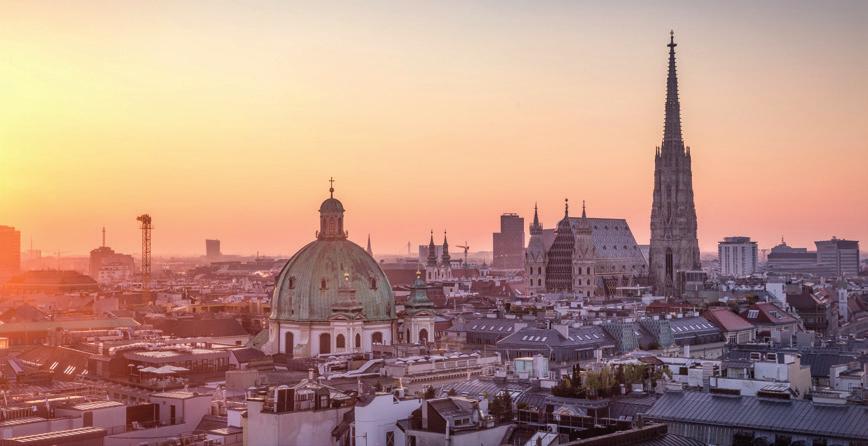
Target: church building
331 297
588 257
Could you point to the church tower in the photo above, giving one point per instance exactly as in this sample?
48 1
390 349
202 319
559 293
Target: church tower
445 261
584 254
431 265
535 257
674 246
418 314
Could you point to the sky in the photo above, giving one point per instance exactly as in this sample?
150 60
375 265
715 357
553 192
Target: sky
226 119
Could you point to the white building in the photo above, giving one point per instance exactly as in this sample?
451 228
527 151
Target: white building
738 256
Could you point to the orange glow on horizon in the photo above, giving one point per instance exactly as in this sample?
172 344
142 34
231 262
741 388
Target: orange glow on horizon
225 121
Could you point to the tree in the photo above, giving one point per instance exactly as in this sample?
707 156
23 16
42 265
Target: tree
452 392
429 393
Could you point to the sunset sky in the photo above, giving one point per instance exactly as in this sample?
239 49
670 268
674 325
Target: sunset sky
226 119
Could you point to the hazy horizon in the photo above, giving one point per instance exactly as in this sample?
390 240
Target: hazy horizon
225 120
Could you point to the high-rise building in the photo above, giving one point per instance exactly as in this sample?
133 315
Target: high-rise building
212 248
509 243
10 250
838 257
784 259
738 256
674 246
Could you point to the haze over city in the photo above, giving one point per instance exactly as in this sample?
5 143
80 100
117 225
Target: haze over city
226 120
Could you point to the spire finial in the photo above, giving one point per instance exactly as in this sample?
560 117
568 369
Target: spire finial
103 236
331 187
583 210
672 36
566 207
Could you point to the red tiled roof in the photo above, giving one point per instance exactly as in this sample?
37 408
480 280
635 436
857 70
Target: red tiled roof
727 320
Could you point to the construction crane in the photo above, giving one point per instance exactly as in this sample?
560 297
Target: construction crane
466 248
146 227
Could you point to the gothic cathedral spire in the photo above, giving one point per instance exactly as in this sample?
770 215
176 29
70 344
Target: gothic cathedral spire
674 245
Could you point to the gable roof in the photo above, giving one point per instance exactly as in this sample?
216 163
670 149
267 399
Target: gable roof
727 320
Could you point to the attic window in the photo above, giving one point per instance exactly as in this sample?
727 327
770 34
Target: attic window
373 283
752 314
291 282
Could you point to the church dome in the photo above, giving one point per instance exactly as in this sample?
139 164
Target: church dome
314 281
331 205
308 286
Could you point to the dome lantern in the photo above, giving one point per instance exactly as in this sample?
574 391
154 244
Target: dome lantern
331 217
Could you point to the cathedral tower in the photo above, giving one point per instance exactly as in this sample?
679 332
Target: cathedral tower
535 257
674 246
584 255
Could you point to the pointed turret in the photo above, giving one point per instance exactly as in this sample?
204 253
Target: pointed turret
445 258
535 227
672 126
419 295
370 251
432 251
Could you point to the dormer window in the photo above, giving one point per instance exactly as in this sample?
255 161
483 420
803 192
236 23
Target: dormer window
291 282
373 283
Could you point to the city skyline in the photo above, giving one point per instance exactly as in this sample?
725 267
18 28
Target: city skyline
97 132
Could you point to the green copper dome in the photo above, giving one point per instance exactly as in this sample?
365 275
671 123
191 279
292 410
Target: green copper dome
307 288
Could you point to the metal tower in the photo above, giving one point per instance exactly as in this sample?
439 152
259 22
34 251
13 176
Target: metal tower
146 227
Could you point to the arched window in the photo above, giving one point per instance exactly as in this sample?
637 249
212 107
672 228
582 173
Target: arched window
291 282
423 336
539 270
322 284
377 337
589 270
373 283
288 343
358 340
325 343
340 341
539 282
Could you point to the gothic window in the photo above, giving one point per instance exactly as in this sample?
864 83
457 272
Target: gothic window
588 270
358 340
669 263
340 341
539 270
373 283
539 282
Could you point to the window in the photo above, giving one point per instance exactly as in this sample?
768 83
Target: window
373 283
358 340
322 284
377 337
340 341
291 282
390 438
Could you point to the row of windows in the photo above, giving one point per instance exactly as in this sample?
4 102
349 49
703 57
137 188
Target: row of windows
323 284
